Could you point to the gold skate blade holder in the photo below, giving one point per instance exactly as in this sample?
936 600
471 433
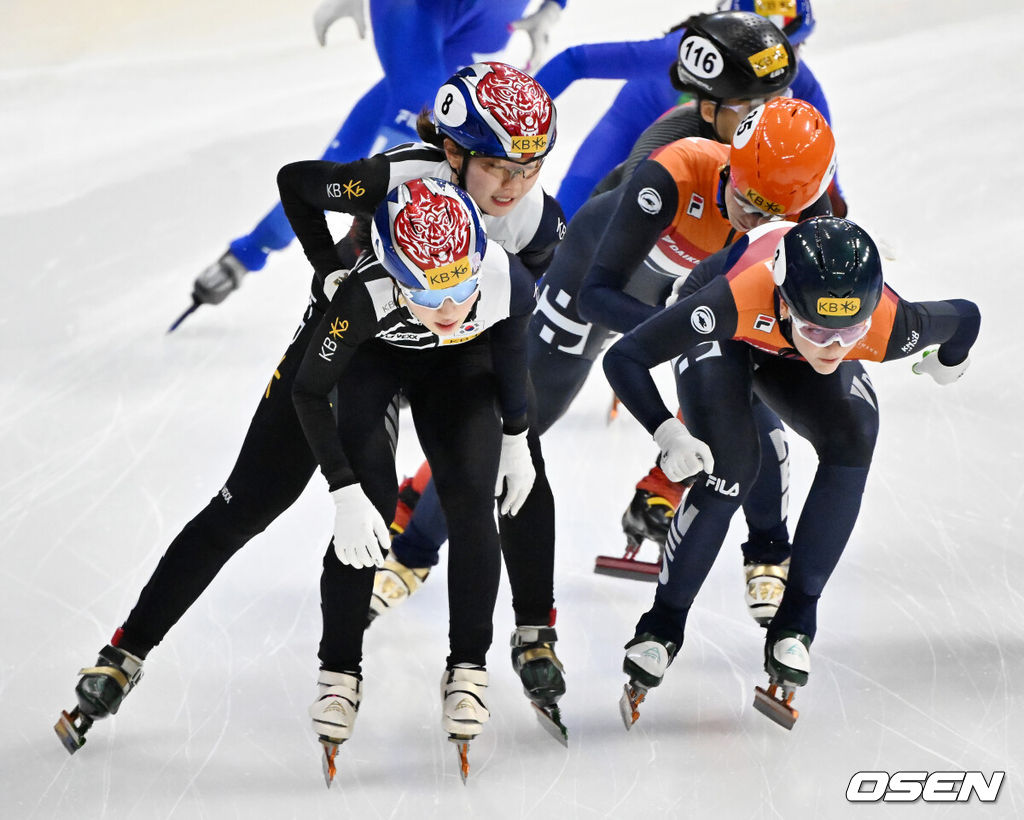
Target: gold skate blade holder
71 728
774 707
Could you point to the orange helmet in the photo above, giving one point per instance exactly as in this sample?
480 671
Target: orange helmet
783 156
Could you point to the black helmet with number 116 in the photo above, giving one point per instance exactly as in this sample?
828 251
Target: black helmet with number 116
733 55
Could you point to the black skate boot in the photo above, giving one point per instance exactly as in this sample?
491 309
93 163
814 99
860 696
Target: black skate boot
648 517
216 282
540 670
100 692
213 285
788 665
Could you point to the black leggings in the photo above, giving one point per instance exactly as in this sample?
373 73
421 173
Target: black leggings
273 468
837 414
452 395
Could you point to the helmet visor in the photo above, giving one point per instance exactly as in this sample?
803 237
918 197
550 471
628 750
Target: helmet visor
824 336
433 299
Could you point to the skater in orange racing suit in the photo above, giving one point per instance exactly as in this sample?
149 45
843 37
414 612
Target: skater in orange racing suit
788 323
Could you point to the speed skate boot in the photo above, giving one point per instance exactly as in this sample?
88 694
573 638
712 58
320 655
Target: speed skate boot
100 692
647 658
334 713
393 583
788 664
648 517
766 584
213 285
652 509
540 670
464 708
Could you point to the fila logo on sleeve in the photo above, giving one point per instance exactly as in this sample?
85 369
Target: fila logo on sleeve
696 206
764 323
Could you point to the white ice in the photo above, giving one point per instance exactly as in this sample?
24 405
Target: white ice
138 138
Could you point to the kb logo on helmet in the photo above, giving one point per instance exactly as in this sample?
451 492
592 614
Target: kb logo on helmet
769 61
448 275
828 306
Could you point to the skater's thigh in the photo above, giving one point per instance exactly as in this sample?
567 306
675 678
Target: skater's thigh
275 462
479 27
557 325
713 385
454 408
836 413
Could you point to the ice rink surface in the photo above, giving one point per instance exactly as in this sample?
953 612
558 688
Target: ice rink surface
137 141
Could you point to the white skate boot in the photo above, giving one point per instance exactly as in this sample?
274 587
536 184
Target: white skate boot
766 584
647 659
788 664
334 713
463 689
393 584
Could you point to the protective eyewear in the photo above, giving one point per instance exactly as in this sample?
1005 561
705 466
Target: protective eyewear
824 336
507 171
741 109
433 299
749 207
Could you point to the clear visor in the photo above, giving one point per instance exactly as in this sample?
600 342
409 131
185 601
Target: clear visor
459 294
824 336
744 107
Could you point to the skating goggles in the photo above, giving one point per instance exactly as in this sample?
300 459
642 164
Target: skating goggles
433 299
748 206
507 171
824 336
744 107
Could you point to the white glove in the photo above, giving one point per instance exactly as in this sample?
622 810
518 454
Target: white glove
538 25
682 455
515 473
330 10
931 365
677 286
360 535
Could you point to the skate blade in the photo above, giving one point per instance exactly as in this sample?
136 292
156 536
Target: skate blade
629 704
550 718
174 326
330 752
613 410
72 734
775 708
627 568
462 749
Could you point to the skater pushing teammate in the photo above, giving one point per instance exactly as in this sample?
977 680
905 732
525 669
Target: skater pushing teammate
486 152
786 318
